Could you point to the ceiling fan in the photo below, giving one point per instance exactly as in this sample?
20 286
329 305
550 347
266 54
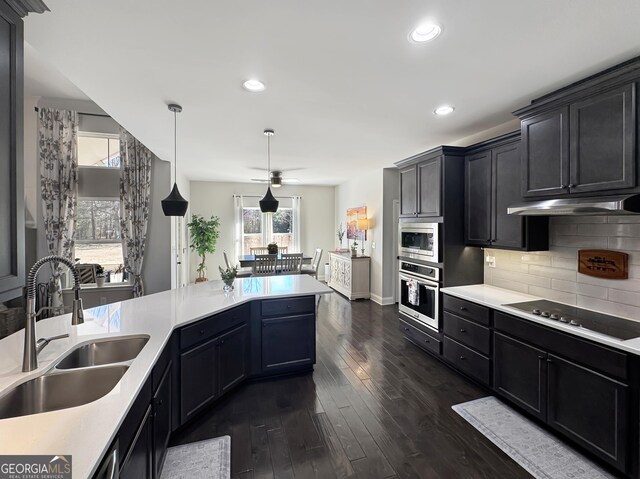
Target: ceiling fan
276 180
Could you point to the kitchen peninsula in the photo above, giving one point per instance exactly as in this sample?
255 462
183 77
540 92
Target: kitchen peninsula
201 344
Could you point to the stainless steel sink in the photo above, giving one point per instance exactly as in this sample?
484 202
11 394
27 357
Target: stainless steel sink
98 353
62 390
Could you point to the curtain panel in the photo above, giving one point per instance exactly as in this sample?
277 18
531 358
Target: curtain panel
58 154
135 190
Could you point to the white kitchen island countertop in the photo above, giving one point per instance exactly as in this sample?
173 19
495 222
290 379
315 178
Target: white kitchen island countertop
497 298
85 432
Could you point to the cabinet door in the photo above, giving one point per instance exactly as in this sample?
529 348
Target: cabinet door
603 141
478 199
198 372
162 407
589 408
545 155
520 374
138 463
429 187
233 358
11 155
408 191
288 343
507 229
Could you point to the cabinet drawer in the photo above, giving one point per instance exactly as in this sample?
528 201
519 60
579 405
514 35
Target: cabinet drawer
209 327
601 358
467 360
468 333
467 309
288 306
420 338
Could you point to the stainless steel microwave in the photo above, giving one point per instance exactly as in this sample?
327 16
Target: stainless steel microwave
419 241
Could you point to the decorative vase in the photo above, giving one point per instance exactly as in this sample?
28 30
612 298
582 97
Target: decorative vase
272 248
201 280
354 252
228 284
99 281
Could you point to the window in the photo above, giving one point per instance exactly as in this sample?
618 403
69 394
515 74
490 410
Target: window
279 228
98 233
99 150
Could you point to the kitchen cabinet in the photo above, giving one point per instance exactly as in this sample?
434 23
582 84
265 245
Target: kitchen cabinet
350 275
138 463
233 358
199 378
582 139
492 184
520 374
288 342
590 408
162 421
420 188
12 255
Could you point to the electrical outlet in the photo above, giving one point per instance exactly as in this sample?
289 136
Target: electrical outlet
490 261
373 245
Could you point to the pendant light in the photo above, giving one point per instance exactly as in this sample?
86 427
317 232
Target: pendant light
269 204
175 204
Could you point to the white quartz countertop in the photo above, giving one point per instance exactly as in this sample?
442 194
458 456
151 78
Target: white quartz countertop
85 432
497 298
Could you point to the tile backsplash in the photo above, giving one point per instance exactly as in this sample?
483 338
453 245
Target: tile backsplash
554 274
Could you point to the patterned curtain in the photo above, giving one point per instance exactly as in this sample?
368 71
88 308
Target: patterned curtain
135 189
58 150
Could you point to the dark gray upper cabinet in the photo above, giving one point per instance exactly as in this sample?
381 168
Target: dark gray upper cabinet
545 161
492 184
421 187
603 141
11 154
582 139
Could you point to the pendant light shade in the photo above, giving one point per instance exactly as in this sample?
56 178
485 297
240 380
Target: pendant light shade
175 204
269 204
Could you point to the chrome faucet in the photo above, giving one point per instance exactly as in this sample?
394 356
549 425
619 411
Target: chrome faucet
30 356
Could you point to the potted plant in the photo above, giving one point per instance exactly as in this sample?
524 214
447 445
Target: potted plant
99 276
204 236
117 275
228 276
272 248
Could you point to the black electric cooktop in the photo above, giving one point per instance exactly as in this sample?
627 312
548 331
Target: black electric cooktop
619 328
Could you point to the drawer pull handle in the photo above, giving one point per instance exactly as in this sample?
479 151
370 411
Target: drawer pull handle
427 341
160 402
462 308
406 329
202 331
462 330
540 358
462 358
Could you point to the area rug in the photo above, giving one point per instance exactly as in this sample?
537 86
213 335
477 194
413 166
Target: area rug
208 459
537 451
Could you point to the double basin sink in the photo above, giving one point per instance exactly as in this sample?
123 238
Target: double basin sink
86 374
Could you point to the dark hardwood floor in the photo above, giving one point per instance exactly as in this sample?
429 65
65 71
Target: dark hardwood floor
375 407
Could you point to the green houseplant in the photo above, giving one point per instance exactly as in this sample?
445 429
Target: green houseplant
204 236
228 276
272 248
99 275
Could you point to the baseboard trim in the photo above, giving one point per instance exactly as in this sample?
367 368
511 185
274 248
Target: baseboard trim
382 301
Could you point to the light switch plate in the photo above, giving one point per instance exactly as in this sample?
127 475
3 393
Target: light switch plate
373 245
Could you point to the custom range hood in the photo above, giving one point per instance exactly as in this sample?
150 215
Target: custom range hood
599 205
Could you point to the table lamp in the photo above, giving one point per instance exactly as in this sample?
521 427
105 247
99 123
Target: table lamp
363 225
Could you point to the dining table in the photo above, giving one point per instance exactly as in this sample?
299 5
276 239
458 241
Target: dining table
246 260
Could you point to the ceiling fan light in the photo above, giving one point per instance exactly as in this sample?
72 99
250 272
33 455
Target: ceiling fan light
269 204
276 181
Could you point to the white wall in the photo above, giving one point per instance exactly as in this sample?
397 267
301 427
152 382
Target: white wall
316 217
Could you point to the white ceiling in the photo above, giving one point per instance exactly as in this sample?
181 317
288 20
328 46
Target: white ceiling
346 91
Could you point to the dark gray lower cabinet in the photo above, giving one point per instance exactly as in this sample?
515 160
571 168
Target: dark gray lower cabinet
198 378
138 463
288 342
233 360
589 408
162 410
520 374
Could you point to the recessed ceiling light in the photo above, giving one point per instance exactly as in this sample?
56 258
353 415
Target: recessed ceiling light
253 86
444 110
425 32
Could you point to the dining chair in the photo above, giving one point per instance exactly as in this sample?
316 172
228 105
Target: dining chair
290 263
87 273
315 264
283 249
242 272
265 264
259 250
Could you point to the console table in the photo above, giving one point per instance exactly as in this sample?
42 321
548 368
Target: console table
349 275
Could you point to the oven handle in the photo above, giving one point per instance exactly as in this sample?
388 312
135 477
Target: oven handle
418 275
424 282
